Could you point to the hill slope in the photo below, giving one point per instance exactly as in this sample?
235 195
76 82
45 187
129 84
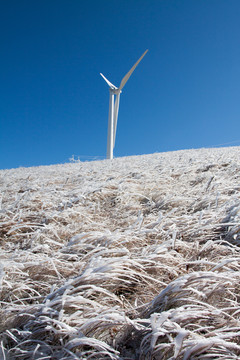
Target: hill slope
135 258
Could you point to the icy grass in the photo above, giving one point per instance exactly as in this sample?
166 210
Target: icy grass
135 258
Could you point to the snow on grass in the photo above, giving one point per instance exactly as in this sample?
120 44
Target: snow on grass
135 258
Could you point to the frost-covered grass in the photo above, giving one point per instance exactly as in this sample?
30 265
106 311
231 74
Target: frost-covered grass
135 258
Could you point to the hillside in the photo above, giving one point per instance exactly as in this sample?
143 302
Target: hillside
135 258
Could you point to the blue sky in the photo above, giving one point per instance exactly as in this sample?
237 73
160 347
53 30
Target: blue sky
53 102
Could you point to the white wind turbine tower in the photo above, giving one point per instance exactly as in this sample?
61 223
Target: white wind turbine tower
114 106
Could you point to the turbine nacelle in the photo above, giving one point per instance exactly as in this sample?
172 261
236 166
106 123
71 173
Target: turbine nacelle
114 106
115 91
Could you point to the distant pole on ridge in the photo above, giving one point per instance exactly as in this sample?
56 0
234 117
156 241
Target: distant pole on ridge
114 107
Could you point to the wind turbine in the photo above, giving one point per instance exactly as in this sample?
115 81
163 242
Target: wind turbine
114 106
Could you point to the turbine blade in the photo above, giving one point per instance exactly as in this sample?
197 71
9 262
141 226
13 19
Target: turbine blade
116 107
127 76
108 82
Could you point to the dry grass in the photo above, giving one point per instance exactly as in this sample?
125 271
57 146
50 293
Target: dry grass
136 258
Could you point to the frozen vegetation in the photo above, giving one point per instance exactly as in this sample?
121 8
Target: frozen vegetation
134 258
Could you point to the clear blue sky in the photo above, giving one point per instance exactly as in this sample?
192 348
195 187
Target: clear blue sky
53 102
